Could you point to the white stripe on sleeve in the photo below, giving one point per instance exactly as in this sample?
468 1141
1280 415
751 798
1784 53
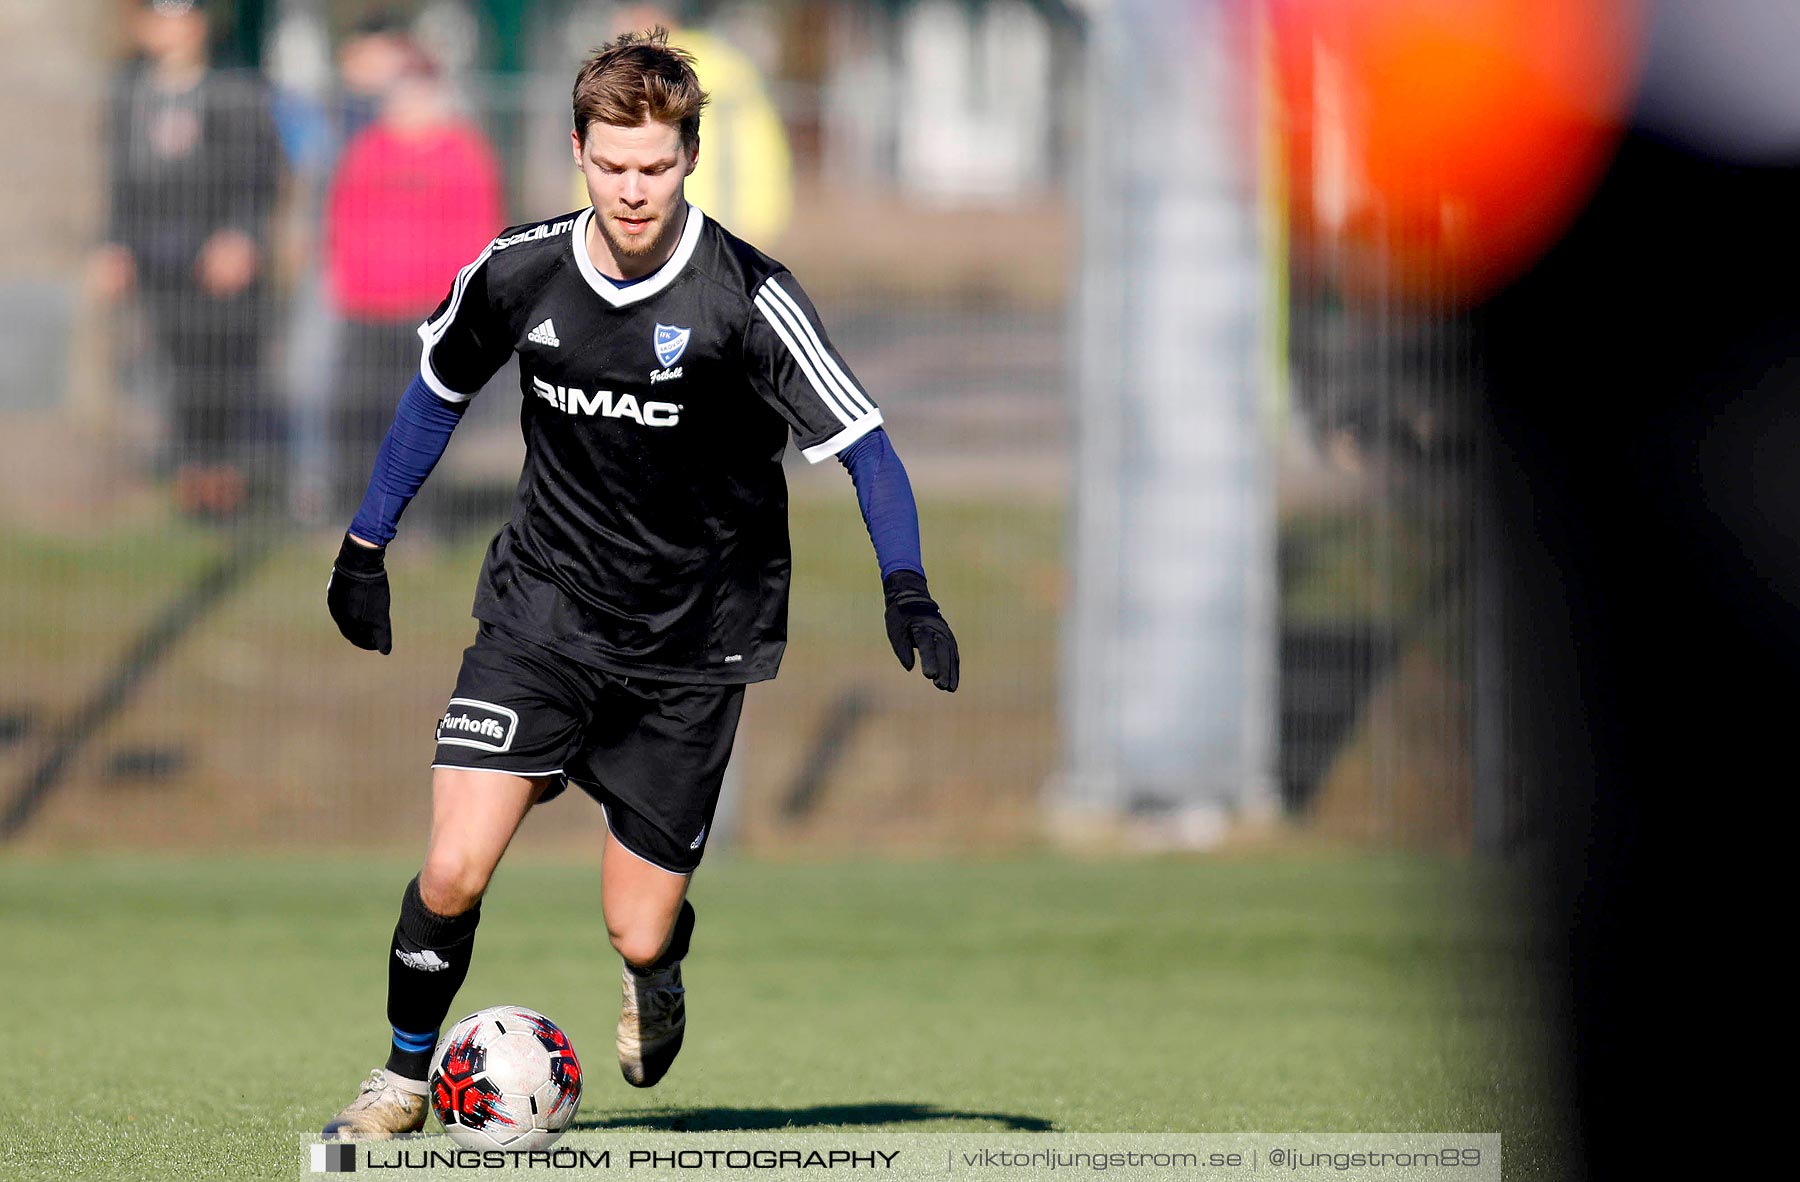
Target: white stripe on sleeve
855 400
843 439
775 316
433 381
433 330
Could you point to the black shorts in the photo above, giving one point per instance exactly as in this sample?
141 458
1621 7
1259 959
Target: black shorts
653 753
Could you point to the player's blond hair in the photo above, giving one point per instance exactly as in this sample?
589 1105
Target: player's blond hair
637 77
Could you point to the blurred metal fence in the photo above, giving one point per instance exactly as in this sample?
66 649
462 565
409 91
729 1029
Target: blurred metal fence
173 501
1380 538
172 510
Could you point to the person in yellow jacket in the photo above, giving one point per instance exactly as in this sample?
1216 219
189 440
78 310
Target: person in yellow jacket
747 183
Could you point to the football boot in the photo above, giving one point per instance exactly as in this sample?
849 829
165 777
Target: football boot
651 1023
387 1106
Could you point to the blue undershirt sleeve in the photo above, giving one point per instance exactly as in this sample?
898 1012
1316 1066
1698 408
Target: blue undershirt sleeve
414 444
886 497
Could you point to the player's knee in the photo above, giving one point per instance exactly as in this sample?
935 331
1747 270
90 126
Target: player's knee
451 883
639 944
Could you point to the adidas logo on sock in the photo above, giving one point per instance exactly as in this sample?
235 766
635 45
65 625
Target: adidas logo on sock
425 960
544 334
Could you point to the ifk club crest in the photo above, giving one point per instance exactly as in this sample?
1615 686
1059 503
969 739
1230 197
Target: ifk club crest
671 342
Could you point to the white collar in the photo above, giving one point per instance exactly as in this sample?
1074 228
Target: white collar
652 283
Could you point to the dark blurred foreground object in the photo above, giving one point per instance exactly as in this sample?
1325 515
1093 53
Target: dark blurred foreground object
1645 384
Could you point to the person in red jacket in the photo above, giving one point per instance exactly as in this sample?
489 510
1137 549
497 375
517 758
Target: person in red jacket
415 194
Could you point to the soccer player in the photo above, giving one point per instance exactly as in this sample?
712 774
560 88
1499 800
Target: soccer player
643 579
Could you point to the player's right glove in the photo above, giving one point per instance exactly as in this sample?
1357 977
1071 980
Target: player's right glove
913 621
358 596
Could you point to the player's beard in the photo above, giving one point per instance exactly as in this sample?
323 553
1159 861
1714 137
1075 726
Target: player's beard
646 245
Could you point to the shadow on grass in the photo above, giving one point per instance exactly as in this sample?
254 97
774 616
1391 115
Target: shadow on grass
709 1120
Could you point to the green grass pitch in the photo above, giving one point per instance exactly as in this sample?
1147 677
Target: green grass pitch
193 1018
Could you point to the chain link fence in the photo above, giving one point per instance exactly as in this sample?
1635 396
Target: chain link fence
204 353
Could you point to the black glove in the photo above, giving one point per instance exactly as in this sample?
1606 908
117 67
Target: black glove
358 596
913 621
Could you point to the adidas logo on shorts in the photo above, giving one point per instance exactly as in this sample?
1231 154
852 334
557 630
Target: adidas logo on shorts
544 334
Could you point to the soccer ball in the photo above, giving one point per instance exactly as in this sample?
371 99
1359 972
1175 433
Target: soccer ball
505 1078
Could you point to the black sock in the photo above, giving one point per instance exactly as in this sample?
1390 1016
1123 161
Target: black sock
678 942
426 966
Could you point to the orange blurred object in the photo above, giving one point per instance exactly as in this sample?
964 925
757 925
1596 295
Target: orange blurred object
1435 148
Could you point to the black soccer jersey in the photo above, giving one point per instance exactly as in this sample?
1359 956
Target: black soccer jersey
649 535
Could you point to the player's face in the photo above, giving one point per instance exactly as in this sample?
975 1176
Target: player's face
634 178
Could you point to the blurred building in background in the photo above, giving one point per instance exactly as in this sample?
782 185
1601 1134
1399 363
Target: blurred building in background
1204 518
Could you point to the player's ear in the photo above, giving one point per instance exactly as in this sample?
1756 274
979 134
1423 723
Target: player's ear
575 141
693 157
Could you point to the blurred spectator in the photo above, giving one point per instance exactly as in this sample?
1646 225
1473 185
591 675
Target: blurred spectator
370 62
313 129
745 177
297 65
195 170
416 196
376 55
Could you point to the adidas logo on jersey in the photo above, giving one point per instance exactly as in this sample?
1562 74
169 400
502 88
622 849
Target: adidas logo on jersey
544 334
